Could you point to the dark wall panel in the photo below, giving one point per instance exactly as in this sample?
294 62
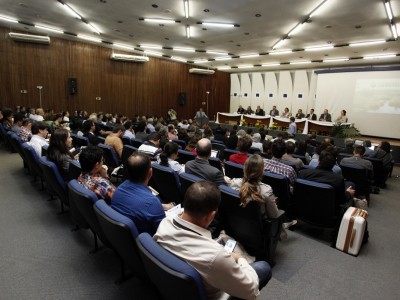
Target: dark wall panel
129 88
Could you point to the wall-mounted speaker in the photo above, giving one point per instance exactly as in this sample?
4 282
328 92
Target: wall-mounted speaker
182 99
72 86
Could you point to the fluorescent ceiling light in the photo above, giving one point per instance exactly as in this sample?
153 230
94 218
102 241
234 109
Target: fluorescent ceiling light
318 48
249 55
183 49
178 58
279 43
224 68
8 19
271 65
153 53
223 58
379 56
186 6
335 59
159 21
280 52
123 46
71 11
94 28
318 9
200 61
295 29
389 10
89 38
367 43
300 62
49 29
216 52
151 46
188 32
394 31
245 66
217 24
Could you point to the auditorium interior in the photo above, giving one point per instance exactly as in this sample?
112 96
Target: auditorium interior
141 58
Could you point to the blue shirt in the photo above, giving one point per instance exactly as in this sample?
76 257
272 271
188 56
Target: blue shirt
292 128
135 201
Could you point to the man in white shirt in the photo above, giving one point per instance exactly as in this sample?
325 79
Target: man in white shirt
292 127
186 236
39 134
39 115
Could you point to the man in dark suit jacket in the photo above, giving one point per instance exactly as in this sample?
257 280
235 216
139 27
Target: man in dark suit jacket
326 116
311 115
323 174
274 112
241 110
260 111
201 167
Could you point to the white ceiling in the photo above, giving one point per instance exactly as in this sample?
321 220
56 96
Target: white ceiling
119 22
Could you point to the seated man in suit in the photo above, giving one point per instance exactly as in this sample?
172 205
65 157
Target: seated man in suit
241 110
259 111
187 237
311 115
324 174
326 116
201 167
134 199
274 112
300 114
357 159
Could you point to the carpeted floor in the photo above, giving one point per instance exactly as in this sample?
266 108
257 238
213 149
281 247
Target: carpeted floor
40 258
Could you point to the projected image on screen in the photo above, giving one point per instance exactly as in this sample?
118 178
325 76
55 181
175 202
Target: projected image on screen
377 96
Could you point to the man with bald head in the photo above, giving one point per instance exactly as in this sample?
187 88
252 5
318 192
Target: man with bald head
201 167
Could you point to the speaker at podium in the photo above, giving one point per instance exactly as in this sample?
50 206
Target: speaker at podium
201 118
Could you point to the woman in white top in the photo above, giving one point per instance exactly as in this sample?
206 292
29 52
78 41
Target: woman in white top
342 118
252 189
168 156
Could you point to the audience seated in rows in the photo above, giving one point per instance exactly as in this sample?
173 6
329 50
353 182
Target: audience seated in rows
16 126
357 159
168 157
201 167
26 130
94 173
141 131
172 134
39 135
383 152
367 145
288 156
257 142
88 132
187 237
315 158
114 139
267 150
129 132
232 141
151 147
244 145
349 146
134 199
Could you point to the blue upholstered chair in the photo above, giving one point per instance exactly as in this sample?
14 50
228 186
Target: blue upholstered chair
122 234
359 176
215 162
181 143
82 141
84 199
187 180
314 203
258 235
173 278
254 150
74 170
185 156
53 178
281 188
111 158
136 143
33 162
127 151
126 140
167 182
233 170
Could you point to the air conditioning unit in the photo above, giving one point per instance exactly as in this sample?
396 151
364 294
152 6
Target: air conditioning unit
201 71
129 58
29 38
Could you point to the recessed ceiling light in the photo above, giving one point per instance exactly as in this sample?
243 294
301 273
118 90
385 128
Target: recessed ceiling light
206 10
203 42
247 33
357 26
258 15
103 1
120 22
154 5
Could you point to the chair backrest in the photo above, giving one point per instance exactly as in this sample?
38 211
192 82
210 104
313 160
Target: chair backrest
74 169
136 143
302 157
126 140
121 232
74 194
33 160
53 177
233 170
111 158
101 139
84 201
17 142
228 153
181 143
380 172
44 149
290 163
254 150
359 176
82 141
127 151
215 162
343 155
311 149
167 182
186 181
173 278
280 185
314 203
218 146
185 156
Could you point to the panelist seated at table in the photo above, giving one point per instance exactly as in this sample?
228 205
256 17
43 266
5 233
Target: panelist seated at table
249 111
241 110
300 114
274 112
326 116
342 118
286 113
259 111
311 115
